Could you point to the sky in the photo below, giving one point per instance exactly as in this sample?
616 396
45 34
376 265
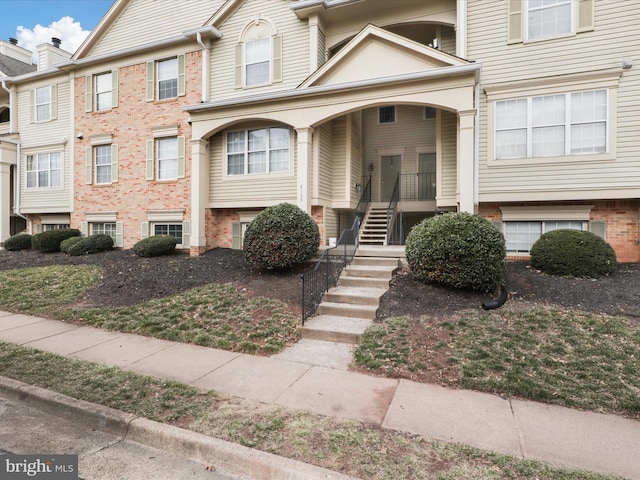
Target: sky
34 22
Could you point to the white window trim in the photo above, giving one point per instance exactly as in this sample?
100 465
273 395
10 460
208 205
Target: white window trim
245 176
395 114
245 64
49 103
95 164
608 80
153 225
96 92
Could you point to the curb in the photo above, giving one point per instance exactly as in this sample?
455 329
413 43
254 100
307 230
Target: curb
227 457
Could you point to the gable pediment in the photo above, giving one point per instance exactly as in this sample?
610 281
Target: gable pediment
375 54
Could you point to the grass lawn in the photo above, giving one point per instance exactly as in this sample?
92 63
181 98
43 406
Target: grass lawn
562 357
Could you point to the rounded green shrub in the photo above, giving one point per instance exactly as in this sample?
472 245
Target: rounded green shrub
280 237
155 246
65 245
21 241
458 250
49 241
573 253
91 244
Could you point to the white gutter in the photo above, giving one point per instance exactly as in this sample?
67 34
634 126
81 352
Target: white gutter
205 68
323 89
12 120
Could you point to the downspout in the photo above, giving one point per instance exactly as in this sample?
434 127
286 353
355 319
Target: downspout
205 68
476 148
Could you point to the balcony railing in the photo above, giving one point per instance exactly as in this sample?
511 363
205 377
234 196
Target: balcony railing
418 186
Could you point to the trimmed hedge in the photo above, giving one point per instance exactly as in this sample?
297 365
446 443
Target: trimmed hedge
280 237
573 253
458 250
21 241
65 245
49 241
91 244
155 246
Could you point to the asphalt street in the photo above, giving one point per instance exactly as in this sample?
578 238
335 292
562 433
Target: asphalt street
101 456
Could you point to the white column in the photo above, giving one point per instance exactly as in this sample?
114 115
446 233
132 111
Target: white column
305 157
199 190
5 201
461 28
466 163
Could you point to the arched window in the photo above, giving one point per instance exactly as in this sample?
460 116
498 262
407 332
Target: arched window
258 55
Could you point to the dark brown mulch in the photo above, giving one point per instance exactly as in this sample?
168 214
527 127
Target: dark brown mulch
617 294
128 280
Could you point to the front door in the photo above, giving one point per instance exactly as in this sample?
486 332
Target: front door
390 169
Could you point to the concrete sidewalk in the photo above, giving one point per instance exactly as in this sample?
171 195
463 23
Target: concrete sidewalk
561 436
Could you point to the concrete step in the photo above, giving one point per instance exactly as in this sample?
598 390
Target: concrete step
330 354
354 295
334 328
364 282
369 271
375 261
390 251
348 310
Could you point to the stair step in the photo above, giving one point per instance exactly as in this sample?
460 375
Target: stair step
375 261
369 271
324 353
333 328
348 310
354 295
347 281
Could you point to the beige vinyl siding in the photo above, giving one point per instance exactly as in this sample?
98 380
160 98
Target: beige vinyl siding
448 39
46 137
147 21
248 190
330 225
410 135
322 47
295 45
449 154
325 161
339 154
613 39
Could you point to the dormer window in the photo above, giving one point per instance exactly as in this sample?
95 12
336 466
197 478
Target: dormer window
258 55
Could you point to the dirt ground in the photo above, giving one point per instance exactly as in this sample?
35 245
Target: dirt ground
128 280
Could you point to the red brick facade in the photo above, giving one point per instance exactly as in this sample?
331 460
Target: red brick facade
622 219
131 124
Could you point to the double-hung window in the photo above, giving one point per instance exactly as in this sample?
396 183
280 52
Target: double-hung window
103 163
44 170
549 18
43 104
552 126
167 158
168 78
263 150
257 54
103 91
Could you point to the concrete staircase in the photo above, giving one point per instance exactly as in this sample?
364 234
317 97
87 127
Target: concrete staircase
330 336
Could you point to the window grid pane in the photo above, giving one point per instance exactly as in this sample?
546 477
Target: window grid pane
387 114
104 229
168 78
44 170
103 164
549 18
103 91
43 104
257 61
168 159
520 236
266 151
173 229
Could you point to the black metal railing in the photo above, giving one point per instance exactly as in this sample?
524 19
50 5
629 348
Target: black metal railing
365 199
391 209
418 186
327 271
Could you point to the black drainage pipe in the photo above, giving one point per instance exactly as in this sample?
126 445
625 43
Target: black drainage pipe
497 303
